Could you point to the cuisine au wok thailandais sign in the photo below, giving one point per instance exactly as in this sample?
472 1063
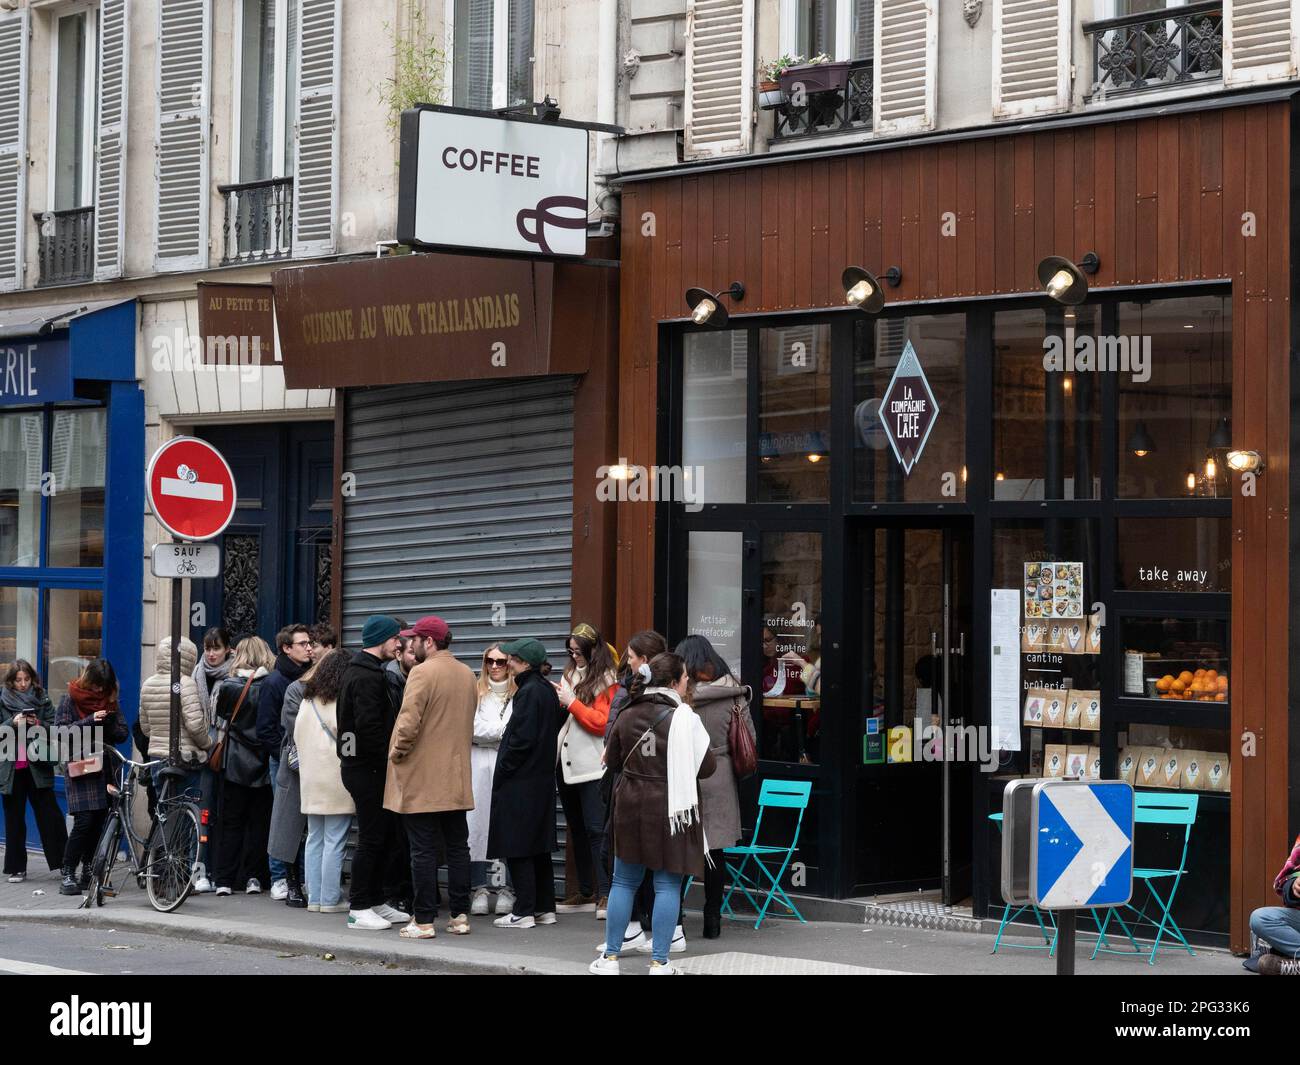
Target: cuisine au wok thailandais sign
908 410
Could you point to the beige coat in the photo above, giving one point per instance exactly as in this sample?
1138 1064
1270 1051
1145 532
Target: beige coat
428 757
320 780
156 706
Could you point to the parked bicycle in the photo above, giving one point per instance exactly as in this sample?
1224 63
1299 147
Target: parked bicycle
164 862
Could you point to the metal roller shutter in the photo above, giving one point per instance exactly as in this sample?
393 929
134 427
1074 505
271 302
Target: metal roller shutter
462 506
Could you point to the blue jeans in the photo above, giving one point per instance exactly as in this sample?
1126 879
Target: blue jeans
622 894
327 835
279 869
1279 927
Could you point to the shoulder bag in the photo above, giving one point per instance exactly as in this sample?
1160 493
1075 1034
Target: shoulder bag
217 756
744 758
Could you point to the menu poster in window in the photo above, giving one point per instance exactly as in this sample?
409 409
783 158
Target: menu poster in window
1053 590
1004 674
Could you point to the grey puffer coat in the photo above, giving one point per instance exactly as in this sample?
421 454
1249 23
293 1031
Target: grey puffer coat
719 800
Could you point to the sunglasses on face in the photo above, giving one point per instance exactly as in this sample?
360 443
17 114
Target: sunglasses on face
498 661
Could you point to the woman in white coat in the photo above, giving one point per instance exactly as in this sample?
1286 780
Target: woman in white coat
496 690
321 793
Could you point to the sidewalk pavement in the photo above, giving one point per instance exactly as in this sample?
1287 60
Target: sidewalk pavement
780 947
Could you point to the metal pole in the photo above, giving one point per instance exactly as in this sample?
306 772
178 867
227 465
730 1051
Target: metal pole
945 718
174 751
1065 924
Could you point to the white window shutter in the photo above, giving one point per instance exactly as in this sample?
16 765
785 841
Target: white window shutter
110 139
719 77
1031 57
906 38
13 146
1261 41
184 72
316 129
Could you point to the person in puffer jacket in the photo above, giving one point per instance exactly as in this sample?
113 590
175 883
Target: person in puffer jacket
156 711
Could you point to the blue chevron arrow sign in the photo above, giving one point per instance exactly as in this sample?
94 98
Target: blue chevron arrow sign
1081 844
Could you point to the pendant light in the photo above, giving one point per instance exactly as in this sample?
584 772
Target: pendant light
1140 441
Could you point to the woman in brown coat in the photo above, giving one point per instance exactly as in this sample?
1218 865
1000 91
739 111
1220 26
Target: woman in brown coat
662 750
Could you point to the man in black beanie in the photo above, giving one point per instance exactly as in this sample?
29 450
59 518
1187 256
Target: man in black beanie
365 720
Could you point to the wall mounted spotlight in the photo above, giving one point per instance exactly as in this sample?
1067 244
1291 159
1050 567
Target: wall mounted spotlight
1063 280
706 307
1246 461
863 291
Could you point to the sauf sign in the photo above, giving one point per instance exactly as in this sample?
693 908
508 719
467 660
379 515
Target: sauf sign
472 181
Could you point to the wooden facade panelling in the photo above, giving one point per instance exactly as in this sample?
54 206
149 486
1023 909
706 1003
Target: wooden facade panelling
1160 200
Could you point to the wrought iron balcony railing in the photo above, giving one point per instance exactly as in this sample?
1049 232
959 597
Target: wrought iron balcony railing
258 222
65 245
1157 48
831 111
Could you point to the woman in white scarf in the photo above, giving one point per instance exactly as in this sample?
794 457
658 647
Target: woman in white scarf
662 748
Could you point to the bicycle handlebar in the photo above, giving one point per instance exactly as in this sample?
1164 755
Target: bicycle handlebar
136 765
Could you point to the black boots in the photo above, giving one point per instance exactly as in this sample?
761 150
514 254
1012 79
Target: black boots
295 899
712 925
69 885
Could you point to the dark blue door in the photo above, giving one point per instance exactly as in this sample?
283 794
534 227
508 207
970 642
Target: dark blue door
276 552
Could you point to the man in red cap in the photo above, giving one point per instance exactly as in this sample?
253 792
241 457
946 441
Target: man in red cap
429 781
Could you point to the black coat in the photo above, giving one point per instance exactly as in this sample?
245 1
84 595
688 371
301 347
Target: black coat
244 760
522 821
270 701
366 714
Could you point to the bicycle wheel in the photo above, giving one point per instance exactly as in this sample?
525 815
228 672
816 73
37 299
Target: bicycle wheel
172 858
107 852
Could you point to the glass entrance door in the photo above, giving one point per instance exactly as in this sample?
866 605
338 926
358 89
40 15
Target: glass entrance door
913 790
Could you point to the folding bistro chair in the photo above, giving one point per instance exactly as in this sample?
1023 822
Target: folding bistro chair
1154 808
787 794
1049 941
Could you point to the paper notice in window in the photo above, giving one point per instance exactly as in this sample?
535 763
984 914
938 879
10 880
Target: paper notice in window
1004 673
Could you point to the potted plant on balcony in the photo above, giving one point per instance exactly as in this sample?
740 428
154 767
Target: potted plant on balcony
770 93
818 74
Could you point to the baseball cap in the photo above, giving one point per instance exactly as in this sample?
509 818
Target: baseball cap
432 626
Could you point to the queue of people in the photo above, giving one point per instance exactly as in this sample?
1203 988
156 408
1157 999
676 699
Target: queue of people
437 767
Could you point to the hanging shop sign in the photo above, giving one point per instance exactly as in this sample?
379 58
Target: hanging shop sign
35 371
908 410
473 181
237 324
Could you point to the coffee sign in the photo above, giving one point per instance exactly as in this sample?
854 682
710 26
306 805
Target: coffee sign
908 410
472 181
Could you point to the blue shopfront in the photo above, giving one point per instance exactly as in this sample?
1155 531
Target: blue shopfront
71 495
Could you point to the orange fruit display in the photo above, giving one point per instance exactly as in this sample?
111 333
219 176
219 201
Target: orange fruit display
1178 686
1164 683
1186 678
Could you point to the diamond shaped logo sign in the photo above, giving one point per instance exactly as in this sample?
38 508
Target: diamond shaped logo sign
908 410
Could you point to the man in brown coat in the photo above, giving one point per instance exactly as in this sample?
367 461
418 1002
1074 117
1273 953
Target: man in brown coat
429 774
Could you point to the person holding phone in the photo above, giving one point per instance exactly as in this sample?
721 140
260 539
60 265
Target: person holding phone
28 777
90 705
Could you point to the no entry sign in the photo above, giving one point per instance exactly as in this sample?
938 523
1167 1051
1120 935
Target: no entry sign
191 489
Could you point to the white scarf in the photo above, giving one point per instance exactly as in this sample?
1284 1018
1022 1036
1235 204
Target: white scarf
688 743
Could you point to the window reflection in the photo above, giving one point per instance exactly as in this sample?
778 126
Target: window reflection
794 417
790 650
21 453
713 413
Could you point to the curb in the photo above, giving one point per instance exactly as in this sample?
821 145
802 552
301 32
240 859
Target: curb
424 956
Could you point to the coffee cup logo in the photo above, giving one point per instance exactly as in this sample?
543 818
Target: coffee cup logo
546 214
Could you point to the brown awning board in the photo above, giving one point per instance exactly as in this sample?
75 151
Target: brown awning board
433 317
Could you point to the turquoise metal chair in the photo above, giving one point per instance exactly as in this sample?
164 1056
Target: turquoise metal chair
782 794
1049 942
1154 808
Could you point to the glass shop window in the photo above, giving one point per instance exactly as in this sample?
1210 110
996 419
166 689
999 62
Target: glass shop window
1176 659
74 626
790 651
1175 416
794 414
1046 410
1174 554
714 422
909 416
713 597
17 624
78 453
22 447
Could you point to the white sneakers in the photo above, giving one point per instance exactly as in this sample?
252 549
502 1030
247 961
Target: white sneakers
646 946
604 965
338 907
633 937
223 891
511 921
505 901
665 969
254 887
279 890
478 906
203 886
367 921
544 918
391 915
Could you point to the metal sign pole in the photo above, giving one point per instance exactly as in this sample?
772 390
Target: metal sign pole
1065 924
174 749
